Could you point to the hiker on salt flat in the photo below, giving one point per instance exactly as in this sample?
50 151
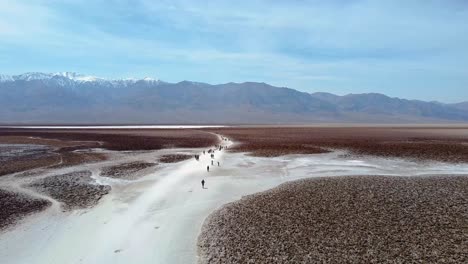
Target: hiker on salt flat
218 163
211 162
208 168
203 184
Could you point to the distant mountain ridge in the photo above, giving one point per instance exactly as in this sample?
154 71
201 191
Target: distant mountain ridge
42 98
64 78
462 105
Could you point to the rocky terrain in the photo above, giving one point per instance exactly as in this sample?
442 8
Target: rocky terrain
173 158
74 190
21 153
20 163
121 139
15 206
418 143
126 170
359 219
64 148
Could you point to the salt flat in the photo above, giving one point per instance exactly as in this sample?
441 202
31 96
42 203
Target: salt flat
157 218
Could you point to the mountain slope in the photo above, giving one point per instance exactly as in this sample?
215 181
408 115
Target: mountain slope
379 104
461 106
74 98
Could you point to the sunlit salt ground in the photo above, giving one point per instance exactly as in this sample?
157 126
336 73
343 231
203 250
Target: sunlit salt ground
157 219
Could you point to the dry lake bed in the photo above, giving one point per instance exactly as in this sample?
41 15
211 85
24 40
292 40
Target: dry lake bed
278 195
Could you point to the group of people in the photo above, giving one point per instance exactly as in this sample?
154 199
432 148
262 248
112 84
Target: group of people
212 155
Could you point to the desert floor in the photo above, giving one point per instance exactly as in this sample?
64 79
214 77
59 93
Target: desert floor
131 196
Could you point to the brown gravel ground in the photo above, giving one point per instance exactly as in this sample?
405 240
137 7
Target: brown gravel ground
74 190
126 170
173 158
368 219
52 159
448 144
74 158
66 142
24 164
15 206
57 154
124 139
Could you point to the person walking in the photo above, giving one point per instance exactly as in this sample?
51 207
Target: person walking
211 162
218 163
203 184
208 168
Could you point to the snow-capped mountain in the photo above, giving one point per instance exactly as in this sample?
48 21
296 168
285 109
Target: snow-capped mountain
78 77
67 97
6 78
71 78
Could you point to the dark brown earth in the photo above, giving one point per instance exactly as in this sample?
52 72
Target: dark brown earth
449 144
65 144
57 153
173 158
123 139
74 190
368 219
15 206
126 170
27 163
70 158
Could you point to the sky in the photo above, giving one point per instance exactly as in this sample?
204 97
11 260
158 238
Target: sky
415 49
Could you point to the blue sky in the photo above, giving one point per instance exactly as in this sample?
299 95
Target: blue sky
411 49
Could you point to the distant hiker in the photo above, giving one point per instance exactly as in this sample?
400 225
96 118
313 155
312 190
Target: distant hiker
218 163
212 156
203 152
208 168
211 162
197 157
203 184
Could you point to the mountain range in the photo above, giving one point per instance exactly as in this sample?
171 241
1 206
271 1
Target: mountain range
70 98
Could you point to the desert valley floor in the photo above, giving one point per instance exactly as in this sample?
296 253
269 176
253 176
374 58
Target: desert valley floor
383 194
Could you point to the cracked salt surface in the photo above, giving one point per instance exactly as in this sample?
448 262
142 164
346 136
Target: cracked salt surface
13 151
157 218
